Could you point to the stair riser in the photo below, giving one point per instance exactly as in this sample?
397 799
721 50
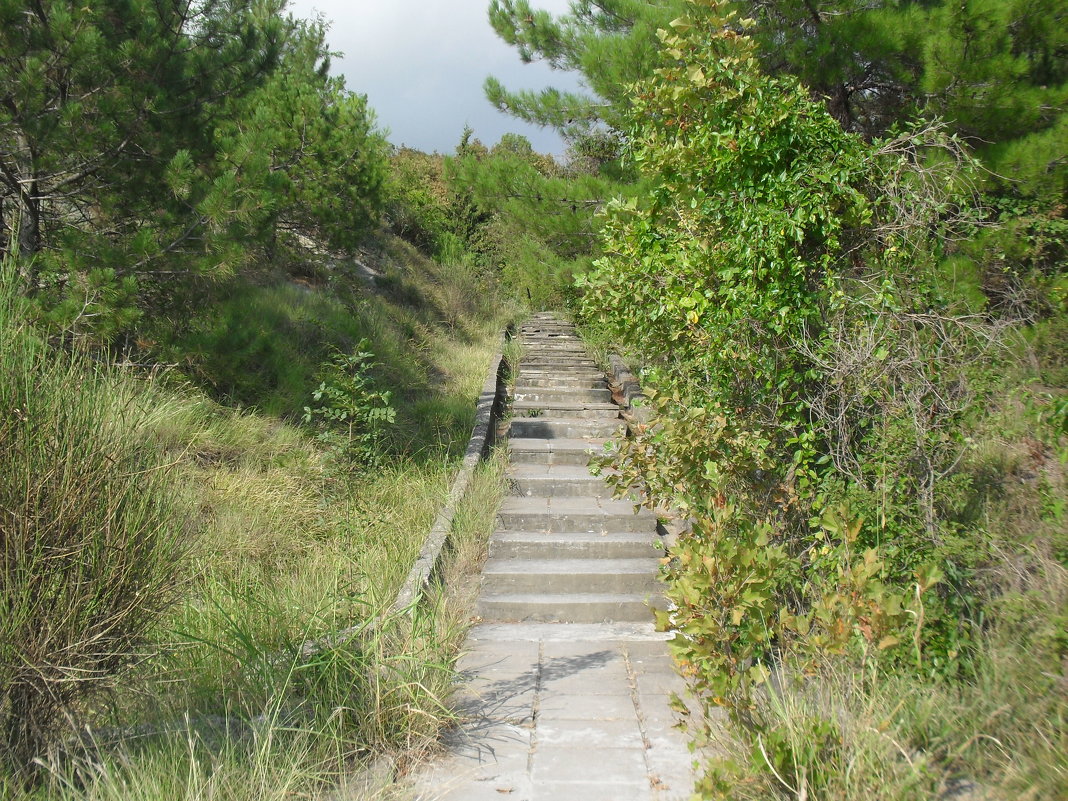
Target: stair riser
538 428
555 549
625 612
547 383
499 583
548 458
561 488
554 343
562 396
531 410
561 523
560 367
560 383
556 355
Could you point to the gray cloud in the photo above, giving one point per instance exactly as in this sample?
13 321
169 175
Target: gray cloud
422 65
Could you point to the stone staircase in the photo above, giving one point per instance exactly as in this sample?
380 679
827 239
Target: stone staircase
566 688
564 550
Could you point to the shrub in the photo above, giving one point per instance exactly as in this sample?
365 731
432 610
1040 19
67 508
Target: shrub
808 382
89 538
352 413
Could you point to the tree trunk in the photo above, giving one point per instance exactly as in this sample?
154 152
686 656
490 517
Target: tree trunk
23 179
29 237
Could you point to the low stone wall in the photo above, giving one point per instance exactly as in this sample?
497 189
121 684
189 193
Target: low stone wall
491 402
625 384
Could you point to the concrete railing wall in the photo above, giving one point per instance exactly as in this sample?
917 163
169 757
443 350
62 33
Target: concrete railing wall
491 404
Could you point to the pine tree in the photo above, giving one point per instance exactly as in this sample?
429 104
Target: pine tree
146 143
301 152
549 211
995 70
97 101
610 43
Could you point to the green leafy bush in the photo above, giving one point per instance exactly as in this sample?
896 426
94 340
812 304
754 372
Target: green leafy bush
808 381
352 413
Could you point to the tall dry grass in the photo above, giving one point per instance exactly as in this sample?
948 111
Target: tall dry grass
91 540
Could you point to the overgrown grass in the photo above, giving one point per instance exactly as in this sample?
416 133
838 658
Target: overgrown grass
286 547
293 724
89 535
262 341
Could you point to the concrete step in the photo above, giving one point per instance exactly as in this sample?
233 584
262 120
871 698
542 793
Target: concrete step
559 481
554 356
589 410
559 337
558 383
563 354
562 380
563 514
563 427
579 395
573 545
570 608
557 364
571 343
563 451
598 575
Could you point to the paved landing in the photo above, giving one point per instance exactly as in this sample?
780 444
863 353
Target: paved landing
564 712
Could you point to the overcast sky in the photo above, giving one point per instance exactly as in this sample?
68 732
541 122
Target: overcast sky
422 63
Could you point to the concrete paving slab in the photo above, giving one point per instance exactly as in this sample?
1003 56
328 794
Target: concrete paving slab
587 791
647 664
493 791
659 683
559 676
581 649
486 661
639 649
602 734
570 764
554 707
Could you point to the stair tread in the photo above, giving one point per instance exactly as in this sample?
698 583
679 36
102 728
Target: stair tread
593 565
576 472
576 536
556 405
576 598
561 444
